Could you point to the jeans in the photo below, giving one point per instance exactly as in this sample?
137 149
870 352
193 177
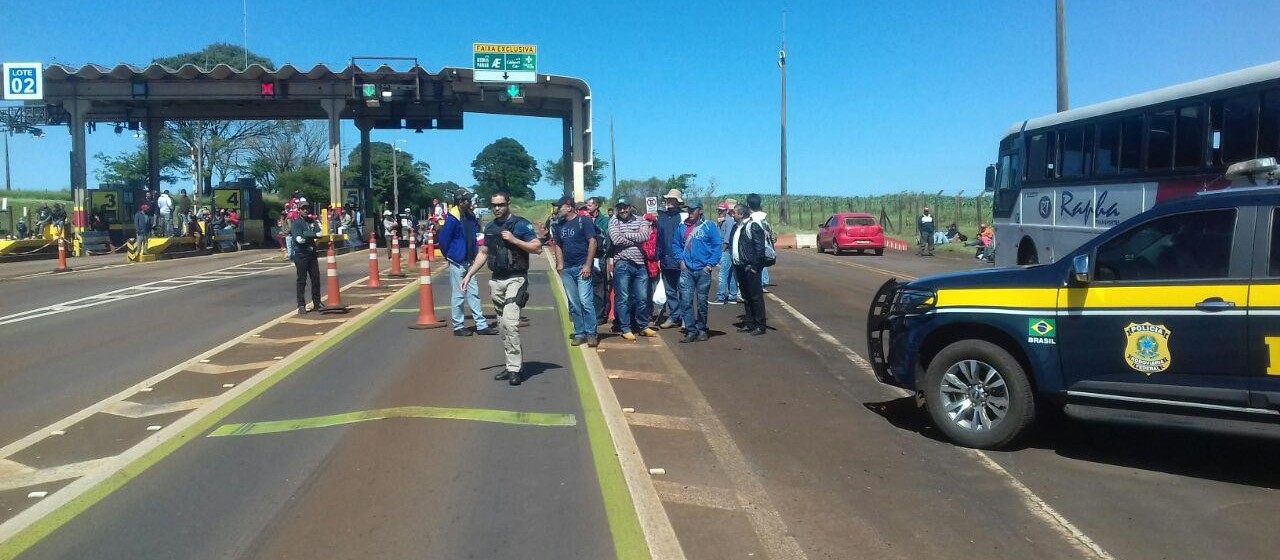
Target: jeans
631 289
694 287
471 298
728 288
764 276
288 244
671 282
166 223
582 306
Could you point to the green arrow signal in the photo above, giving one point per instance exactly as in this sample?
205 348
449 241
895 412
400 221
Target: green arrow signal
513 91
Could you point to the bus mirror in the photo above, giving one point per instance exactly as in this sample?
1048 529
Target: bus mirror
991 178
1080 269
1251 169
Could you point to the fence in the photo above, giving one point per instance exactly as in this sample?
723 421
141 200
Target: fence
896 212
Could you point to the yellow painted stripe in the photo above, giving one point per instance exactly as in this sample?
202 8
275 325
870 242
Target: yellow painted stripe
1165 297
1030 298
479 415
1264 295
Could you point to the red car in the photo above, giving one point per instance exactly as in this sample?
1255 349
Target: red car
851 232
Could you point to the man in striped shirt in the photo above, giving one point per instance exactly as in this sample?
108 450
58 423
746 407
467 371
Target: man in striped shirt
628 233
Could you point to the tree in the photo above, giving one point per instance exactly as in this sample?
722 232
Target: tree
637 190
312 181
131 167
505 165
216 147
291 146
554 173
416 190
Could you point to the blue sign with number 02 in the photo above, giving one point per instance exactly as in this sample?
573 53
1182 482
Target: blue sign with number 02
23 81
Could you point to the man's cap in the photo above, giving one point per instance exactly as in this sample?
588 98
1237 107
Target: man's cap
676 194
695 203
386 212
622 201
723 206
566 200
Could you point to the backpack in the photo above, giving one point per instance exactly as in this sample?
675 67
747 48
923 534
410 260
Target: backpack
770 254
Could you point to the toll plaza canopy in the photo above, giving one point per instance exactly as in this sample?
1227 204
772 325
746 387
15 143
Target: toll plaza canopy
379 98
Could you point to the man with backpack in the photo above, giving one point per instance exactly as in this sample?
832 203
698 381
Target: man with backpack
508 242
752 252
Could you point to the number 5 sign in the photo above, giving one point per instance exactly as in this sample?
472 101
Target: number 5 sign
23 81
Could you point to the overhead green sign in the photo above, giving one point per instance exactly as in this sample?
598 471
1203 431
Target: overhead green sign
504 63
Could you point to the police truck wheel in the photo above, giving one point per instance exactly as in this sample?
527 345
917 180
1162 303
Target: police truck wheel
978 395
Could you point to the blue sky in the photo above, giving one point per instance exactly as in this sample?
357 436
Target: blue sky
882 96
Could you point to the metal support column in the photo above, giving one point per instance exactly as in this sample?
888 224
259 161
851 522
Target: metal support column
579 143
78 108
566 155
153 126
333 107
366 182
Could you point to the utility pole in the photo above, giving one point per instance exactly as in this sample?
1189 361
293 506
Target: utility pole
613 158
8 183
395 182
782 63
1063 104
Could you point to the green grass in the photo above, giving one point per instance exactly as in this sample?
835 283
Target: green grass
33 194
808 212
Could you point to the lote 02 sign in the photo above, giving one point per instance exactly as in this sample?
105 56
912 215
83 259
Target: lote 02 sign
23 81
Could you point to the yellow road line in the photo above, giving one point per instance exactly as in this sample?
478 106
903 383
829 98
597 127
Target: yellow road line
543 419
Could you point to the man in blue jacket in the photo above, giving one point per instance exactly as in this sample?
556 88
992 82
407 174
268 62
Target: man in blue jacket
458 243
697 246
668 263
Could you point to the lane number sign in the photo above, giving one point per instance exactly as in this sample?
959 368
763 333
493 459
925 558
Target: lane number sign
23 81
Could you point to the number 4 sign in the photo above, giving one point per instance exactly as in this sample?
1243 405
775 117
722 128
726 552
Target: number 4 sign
23 81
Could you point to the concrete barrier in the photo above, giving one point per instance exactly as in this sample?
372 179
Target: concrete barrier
806 240
785 241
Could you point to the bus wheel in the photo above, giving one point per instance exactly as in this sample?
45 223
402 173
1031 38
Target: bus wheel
1027 253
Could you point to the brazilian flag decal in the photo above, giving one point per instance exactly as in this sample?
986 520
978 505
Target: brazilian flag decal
1042 328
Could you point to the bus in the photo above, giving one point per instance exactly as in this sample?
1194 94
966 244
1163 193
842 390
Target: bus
1061 179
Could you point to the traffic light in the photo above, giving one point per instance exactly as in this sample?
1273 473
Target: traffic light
514 93
369 91
273 89
268 89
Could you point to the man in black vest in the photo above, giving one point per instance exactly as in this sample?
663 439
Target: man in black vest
508 242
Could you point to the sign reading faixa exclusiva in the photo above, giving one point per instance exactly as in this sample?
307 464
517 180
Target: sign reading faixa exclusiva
513 64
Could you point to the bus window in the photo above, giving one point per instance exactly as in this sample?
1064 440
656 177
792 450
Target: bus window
1160 141
1073 152
1269 125
1088 150
1130 143
1239 128
1107 155
1190 144
1036 157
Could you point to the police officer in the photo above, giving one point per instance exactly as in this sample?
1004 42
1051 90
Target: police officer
304 230
926 227
508 242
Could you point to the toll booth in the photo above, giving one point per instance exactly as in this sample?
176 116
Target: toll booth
116 203
244 197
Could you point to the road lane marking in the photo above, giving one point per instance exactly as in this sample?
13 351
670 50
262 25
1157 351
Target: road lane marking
541 419
234 271
662 421
14 475
24 530
1037 506
214 369
637 521
638 376
294 340
701 496
130 409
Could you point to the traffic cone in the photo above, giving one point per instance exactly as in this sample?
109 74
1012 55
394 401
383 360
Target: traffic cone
426 302
333 304
374 281
431 244
413 252
62 256
395 258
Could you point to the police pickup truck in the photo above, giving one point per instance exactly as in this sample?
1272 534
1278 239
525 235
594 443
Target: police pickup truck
1171 317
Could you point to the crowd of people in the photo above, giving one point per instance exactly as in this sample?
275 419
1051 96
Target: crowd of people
929 237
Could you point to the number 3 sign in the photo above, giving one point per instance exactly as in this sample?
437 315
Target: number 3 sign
23 81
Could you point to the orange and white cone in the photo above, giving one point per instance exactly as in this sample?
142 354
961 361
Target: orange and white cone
333 303
374 280
413 252
426 300
62 256
395 258
431 244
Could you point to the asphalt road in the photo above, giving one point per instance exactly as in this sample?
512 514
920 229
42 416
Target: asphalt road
816 458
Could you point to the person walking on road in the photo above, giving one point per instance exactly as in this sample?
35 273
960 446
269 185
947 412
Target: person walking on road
668 220
508 242
304 231
926 227
628 234
142 228
575 251
165 204
698 247
458 241
748 259
727 287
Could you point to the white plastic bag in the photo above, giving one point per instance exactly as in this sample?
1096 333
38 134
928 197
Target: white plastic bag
659 294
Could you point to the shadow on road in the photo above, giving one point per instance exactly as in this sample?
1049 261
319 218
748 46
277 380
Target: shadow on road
1234 459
